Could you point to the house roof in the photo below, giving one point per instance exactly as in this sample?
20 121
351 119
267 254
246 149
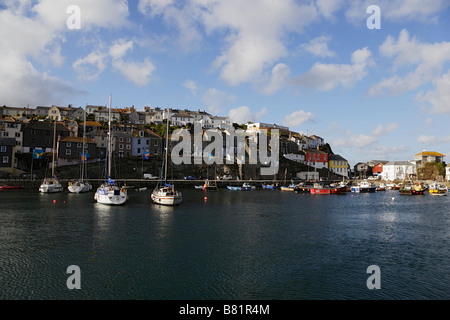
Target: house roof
398 163
336 157
76 140
430 154
91 124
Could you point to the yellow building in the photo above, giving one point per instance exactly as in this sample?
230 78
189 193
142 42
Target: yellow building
338 165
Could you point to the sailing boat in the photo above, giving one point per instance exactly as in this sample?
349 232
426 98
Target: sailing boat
166 194
109 192
80 185
52 184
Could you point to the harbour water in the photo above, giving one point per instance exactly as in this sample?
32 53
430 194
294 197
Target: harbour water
257 245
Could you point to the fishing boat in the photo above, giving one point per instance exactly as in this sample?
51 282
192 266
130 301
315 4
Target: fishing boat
412 189
319 188
109 193
381 187
51 184
244 187
437 189
363 187
80 185
290 188
11 187
164 193
208 186
270 186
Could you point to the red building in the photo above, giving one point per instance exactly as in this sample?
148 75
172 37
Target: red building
316 158
377 169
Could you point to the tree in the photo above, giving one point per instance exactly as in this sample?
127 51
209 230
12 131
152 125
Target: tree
429 171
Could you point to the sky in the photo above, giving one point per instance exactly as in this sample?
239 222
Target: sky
374 84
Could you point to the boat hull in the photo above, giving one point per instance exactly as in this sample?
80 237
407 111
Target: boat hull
167 200
50 186
79 187
11 187
113 196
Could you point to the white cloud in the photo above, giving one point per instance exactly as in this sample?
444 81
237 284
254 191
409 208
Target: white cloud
297 118
427 58
352 140
328 7
137 72
278 78
319 47
120 48
215 99
381 130
90 67
243 114
21 84
439 98
433 140
33 30
326 77
191 85
397 11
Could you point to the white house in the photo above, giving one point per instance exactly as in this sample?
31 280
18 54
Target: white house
398 170
447 173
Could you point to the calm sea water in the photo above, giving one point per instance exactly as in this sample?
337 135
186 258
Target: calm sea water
263 244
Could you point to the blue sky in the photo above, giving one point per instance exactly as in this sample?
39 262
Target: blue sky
311 65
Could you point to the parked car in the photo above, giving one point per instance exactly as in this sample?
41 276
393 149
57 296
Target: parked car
190 178
150 176
226 177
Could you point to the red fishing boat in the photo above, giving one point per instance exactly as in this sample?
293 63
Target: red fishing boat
11 187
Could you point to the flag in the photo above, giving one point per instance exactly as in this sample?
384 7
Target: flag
38 153
85 157
110 181
146 155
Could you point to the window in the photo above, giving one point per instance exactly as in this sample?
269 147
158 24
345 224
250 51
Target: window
5 159
5 133
128 139
156 143
128 147
139 141
17 134
121 139
68 152
69 144
79 145
121 146
3 149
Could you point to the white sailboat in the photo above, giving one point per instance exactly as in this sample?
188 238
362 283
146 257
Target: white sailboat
109 192
80 185
165 193
52 184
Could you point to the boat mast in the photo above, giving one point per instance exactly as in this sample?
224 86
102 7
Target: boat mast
167 144
83 152
53 158
109 139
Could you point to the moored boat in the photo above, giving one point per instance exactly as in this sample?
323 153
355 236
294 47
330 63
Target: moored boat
11 187
52 184
109 193
438 189
412 189
166 194
363 187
